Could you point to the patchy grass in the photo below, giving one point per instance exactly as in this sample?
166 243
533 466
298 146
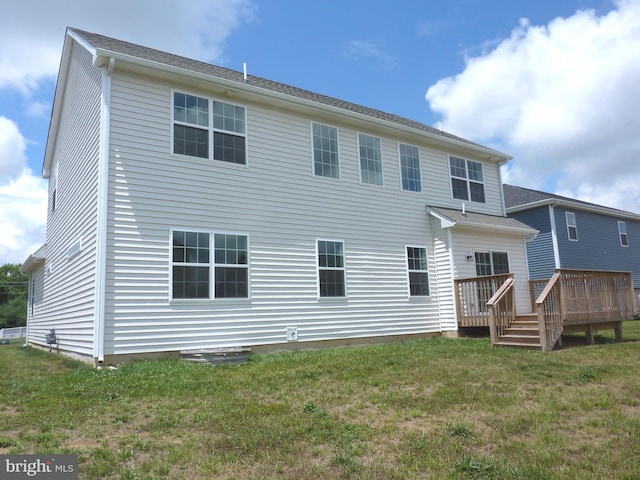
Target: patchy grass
440 408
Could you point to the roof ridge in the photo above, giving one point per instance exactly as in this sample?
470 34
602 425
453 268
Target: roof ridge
147 53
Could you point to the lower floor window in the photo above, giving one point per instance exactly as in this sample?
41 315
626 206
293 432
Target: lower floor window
491 263
192 265
331 268
418 275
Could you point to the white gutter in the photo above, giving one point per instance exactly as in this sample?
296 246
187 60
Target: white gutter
554 235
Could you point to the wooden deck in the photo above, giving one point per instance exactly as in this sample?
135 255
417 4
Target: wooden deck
571 301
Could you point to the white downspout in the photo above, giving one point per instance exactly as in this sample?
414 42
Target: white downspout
103 197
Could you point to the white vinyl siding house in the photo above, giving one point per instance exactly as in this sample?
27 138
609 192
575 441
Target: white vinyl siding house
214 212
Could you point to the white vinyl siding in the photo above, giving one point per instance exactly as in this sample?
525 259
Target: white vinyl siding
283 224
66 301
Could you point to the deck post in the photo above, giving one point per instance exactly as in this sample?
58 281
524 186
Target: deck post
618 330
589 334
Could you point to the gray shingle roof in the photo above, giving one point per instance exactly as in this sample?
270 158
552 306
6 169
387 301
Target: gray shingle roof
108 44
519 196
481 220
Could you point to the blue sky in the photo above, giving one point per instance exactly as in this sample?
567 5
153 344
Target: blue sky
554 84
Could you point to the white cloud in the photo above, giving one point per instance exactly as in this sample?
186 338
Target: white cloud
31 44
12 150
563 99
368 50
23 215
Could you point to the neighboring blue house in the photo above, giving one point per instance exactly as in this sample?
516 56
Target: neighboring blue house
575 234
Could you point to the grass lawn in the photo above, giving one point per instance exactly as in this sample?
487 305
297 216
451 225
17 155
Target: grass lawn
439 408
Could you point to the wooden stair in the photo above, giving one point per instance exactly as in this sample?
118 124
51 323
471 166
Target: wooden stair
523 333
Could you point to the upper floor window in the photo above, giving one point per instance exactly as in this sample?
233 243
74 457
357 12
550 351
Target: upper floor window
191 265
410 168
198 121
54 187
467 180
418 275
370 159
622 231
331 268
572 227
325 151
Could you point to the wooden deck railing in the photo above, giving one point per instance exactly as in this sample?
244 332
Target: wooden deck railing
581 297
550 310
502 309
472 295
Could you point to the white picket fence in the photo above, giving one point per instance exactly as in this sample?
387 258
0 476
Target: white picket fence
15 332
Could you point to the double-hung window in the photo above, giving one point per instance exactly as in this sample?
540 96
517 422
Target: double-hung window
198 121
410 168
572 226
622 232
418 275
331 268
467 180
192 265
325 151
370 159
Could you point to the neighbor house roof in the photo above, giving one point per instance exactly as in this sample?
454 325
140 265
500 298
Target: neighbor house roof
451 218
517 199
105 50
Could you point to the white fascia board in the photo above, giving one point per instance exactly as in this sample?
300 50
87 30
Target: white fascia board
503 228
104 56
445 222
34 260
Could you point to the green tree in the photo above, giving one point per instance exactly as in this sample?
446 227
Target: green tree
14 290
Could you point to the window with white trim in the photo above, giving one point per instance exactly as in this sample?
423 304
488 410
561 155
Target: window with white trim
193 265
331 274
491 263
325 151
572 226
199 122
467 179
370 159
410 168
622 232
418 274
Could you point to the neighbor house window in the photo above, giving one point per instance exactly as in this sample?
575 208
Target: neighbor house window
370 159
622 231
410 168
491 263
325 151
418 276
331 268
467 180
198 120
572 227
192 265
231 266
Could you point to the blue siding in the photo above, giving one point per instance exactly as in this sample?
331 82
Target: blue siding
540 257
598 246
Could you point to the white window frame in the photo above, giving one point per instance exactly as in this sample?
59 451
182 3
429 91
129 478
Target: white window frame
343 269
622 233
570 218
400 164
212 264
209 128
491 254
313 150
467 179
424 270
365 136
